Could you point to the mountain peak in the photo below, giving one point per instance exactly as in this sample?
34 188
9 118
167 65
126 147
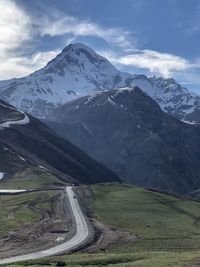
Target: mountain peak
80 52
78 57
78 46
78 70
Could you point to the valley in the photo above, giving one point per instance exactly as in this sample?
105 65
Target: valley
125 225
116 224
99 133
163 230
69 238
98 166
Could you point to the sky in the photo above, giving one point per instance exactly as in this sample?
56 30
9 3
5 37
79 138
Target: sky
152 37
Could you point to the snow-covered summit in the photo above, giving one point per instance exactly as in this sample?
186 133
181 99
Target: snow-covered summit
171 96
78 71
77 58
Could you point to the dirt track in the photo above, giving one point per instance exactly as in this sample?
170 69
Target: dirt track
52 229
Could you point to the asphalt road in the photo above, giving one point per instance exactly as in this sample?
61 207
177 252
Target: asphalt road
7 124
81 236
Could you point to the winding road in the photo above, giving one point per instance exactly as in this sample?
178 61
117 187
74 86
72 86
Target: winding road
7 124
80 237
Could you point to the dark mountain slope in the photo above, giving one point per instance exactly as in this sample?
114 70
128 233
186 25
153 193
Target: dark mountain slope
40 145
128 132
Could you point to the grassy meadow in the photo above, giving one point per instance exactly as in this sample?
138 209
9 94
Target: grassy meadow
167 229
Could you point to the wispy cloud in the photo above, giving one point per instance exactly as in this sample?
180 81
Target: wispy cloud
21 66
185 71
163 64
17 32
56 24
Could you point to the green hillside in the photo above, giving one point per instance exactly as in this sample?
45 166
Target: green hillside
161 222
167 230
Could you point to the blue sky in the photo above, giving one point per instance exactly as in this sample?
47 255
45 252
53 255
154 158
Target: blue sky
138 36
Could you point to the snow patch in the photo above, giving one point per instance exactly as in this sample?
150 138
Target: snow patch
111 102
1 175
12 191
23 159
128 89
43 168
189 122
59 239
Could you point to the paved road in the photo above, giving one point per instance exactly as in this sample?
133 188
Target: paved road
7 124
12 191
81 236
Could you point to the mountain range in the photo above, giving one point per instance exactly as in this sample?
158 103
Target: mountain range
141 128
25 140
127 131
78 71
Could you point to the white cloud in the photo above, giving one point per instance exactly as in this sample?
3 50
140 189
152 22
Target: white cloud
14 31
14 26
21 66
186 72
18 28
158 63
61 25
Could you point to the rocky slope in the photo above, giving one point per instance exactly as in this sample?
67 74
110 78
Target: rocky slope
128 132
78 71
34 143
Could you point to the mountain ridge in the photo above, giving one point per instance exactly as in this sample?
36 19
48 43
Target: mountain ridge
77 71
127 131
39 145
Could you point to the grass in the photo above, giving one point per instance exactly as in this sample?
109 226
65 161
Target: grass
167 227
146 259
31 177
15 210
162 222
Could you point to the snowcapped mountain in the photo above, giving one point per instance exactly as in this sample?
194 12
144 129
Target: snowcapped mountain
171 96
78 71
75 72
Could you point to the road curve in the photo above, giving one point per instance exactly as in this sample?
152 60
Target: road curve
81 236
7 124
